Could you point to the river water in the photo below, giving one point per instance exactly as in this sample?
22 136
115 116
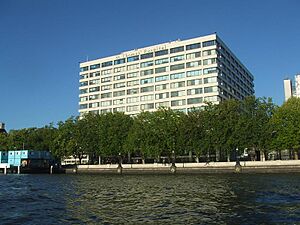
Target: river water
150 199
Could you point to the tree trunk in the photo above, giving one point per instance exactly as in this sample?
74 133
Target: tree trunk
217 155
129 157
296 154
99 159
228 157
262 156
190 156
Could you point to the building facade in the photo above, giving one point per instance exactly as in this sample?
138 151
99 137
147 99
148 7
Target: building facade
291 90
182 75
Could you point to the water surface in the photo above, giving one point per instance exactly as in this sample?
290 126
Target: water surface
150 199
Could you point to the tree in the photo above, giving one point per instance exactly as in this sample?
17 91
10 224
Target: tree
286 126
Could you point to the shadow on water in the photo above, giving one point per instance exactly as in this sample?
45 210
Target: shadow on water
150 199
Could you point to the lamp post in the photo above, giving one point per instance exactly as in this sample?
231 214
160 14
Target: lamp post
238 166
173 166
119 168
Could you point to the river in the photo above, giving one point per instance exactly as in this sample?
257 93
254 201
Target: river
150 199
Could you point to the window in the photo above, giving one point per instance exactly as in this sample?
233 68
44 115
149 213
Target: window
147 55
133 58
162 95
146 64
177 76
209 61
132 108
82 69
177 58
119 85
105 87
94 105
146 98
119 93
178 102
161 61
194 82
210 99
120 69
132 99
131 75
209 52
177 67
133 66
93 97
106 95
193 73
105 110
119 77
119 61
83 106
119 109
84 83
210 70
83 99
177 84
106 79
177 49
177 94
162 52
147 106
193 55
161 69
161 78
194 100
95 81
132 91
210 80
147 80
195 91
94 89
193 46
133 83
161 87
193 64
83 91
105 64
210 89
95 74
119 101
162 104
106 103
106 72
147 72
147 89
209 43
95 66
84 76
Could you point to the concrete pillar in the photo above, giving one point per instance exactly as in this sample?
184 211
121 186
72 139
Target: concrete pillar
19 169
5 170
262 156
99 160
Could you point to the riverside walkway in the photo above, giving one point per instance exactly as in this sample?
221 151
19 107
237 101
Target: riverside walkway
278 166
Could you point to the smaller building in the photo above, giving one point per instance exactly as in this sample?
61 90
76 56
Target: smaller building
26 159
291 90
2 128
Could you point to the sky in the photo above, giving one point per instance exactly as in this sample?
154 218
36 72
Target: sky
42 43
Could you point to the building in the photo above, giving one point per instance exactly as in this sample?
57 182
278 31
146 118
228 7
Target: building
182 75
2 128
291 90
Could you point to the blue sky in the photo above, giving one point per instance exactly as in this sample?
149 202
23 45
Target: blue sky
42 43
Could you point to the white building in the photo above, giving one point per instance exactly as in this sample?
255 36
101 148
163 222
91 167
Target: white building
182 75
289 89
